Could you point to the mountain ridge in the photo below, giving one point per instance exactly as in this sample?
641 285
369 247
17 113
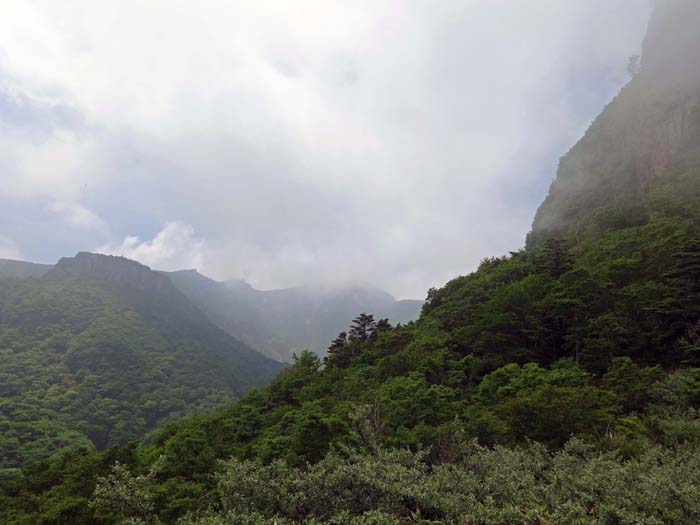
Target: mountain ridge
286 321
276 322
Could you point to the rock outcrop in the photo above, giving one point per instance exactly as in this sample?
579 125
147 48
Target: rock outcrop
651 128
117 270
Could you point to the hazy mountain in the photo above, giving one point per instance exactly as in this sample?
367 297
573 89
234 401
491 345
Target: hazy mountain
22 270
647 136
280 323
277 323
99 350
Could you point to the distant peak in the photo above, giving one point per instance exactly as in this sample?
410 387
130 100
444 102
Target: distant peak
238 284
352 287
110 268
192 271
98 260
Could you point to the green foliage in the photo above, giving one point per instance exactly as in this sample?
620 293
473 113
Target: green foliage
576 485
587 340
85 365
583 340
126 497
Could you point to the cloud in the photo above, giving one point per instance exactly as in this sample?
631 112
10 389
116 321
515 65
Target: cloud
77 215
9 249
175 247
384 141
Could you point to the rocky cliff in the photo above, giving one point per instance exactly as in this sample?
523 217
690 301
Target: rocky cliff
651 129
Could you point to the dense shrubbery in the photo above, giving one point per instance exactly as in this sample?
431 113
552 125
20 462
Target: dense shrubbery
576 485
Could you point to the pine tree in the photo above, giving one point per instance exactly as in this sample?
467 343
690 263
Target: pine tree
362 327
383 325
338 343
338 353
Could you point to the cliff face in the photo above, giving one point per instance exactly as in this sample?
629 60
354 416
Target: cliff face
649 130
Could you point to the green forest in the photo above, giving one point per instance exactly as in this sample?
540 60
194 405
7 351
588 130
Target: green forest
557 384
87 365
564 361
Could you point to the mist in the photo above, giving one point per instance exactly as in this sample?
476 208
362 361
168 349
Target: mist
396 143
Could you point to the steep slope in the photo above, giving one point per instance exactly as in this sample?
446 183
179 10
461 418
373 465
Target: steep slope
648 133
280 323
100 350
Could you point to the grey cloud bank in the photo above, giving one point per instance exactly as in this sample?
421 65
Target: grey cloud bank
293 142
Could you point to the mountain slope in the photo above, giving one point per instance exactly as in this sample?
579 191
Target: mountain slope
280 323
100 350
10 269
592 331
648 133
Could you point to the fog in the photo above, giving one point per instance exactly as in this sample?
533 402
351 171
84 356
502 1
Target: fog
287 143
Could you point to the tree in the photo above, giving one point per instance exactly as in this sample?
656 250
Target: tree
383 325
689 343
362 328
339 352
682 308
126 496
338 343
554 259
367 426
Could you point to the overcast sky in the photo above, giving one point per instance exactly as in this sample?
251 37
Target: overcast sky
395 142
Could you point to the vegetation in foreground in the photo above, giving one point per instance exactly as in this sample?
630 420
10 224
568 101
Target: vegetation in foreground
576 485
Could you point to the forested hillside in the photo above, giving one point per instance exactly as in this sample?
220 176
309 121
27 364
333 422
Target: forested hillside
100 350
557 384
21 269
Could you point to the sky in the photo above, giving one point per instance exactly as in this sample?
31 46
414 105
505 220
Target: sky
286 143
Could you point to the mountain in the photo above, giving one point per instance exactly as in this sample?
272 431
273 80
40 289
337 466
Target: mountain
276 323
558 384
10 269
99 350
280 323
644 146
